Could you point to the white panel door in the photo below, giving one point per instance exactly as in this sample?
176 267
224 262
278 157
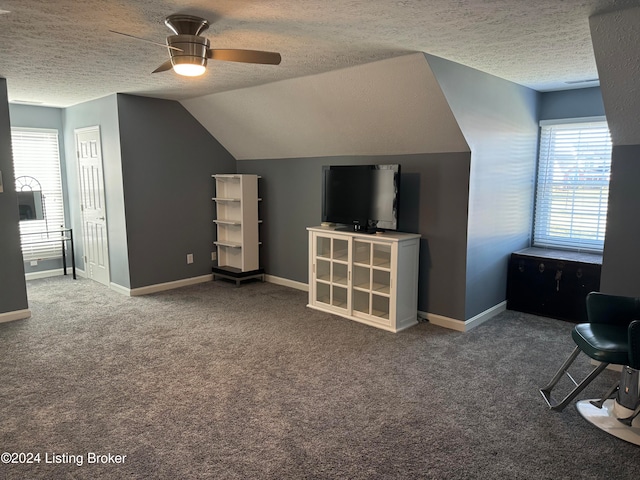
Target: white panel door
92 198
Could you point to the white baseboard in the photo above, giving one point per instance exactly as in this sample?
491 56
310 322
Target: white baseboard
15 315
160 287
443 321
120 289
52 273
486 315
464 326
287 283
134 292
440 320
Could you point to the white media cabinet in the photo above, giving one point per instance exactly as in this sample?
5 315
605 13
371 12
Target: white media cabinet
372 279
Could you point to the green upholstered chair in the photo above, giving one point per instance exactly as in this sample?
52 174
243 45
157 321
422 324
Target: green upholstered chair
605 338
618 414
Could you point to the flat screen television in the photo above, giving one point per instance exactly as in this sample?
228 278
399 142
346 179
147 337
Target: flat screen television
362 198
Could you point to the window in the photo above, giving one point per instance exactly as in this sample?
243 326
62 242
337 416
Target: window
572 185
36 156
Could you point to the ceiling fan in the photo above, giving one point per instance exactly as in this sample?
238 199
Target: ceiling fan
189 51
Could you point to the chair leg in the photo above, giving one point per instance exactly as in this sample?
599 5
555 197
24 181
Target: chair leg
546 391
606 396
629 420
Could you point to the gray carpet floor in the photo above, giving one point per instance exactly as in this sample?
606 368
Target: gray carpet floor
214 381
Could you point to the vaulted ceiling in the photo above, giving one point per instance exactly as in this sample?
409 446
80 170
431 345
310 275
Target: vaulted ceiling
60 53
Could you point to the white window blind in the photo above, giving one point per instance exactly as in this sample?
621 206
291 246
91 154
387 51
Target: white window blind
573 186
36 154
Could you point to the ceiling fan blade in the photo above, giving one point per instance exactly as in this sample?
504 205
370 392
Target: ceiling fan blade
145 40
244 56
164 67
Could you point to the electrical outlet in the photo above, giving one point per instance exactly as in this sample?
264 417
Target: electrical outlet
214 256
34 263
189 258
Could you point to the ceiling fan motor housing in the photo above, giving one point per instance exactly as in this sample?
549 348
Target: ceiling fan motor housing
193 49
186 24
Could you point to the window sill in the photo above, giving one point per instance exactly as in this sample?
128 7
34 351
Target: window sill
566 255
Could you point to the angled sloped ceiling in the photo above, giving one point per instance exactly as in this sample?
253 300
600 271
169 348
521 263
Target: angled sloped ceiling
389 107
616 37
616 45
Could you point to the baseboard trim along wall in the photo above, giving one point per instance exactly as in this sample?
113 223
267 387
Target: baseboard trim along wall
287 283
52 273
16 315
464 326
486 315
440 320
160 287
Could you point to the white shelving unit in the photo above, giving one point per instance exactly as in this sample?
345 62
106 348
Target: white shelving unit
237 241
372 279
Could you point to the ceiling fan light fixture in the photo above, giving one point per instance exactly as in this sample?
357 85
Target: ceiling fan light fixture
190 58
188 51
188 69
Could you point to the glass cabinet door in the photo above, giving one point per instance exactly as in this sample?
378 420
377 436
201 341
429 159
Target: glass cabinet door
371 279
332 272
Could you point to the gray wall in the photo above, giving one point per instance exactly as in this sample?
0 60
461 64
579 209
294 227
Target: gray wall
167 162
13 292
499 121
433 202
104 113
583 102
621 259
30 116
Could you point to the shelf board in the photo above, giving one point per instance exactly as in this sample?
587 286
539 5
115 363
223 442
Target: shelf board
228 244
225 176
227 222
383 265
219 199
231 272
381 289
380 314
366 265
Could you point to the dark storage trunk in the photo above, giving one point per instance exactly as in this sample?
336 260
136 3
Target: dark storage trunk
552 283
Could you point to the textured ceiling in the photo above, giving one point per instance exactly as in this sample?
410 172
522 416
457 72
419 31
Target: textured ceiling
61 53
